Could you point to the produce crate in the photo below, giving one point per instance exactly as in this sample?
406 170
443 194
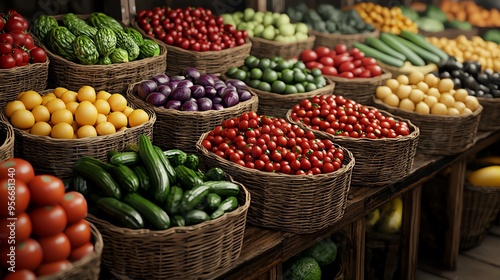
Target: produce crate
378 161
299 204
6 131
332 39
440 134
87 268
175 129
452 33
266 48
58 155
490 117
383 252
191 252
114 78
206 62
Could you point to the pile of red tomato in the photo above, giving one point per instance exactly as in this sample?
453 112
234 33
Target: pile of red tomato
17 47
195 29
341 62
344 117
43 230
273 145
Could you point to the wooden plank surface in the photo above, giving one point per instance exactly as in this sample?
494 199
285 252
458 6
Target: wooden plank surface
410 233
487 252
467 269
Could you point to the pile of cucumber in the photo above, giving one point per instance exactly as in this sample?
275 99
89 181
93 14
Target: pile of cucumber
145 187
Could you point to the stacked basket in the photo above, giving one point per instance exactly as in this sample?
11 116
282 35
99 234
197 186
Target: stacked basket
331 39
490 116
360 90
266 48
7 146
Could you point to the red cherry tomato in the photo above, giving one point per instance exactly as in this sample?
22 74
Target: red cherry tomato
365 74
339 59
48 220
329 71
322 51
326 61
37 55
82 251
23 274
375 70
75 206
7 61
346 67
367 61
347 75
308 55
55 247
314 64
340 48
28 255
14 197
46 190
53 267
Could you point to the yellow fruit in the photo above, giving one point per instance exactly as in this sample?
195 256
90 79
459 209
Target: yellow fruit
19 95
72 106
416 96
118 119
486 177
22 119
86 131
31 99
105 128
392 100
460 106
103 95
453 112
393 84
434 92
431 80
445 85
58 91
403 80
122 129
101 118
86 113
423 87
439 109
41 113
55 104
128 110
86 93
75 126
382 92
472 103
62 115
447 99
416 77
407 104
137 117
460 94
102 106
51 94
46 98
41 128
403 91
117 102
13 106
69 96
422 108
62 131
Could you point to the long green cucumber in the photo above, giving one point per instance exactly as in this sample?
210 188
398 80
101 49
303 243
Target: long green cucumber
172 177
173 201
126 178
125 158
383 47
158 218
424 54
196 216
158 176
374 53
100 177
223 188
121 212
193 197
420 41
228 205
412 57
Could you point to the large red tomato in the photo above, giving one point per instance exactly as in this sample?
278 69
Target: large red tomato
55 247
78 233
53 267
23 274
46 190
13 189
28 255
75 206
308 55
82 251
22 229
48 220
16 168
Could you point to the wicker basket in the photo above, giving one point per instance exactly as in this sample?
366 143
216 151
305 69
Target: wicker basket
299 204
113 78
440 134
190 252
490 117
378 161
18 79
176 129
213 62
57 156
382 255
360 90
266 48
330 40
87 268
480 208
452 33
7 147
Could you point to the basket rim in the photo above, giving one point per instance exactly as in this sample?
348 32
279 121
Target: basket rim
281 44
429 116
385 75
241 210
483 189
347 36
9 137
488 100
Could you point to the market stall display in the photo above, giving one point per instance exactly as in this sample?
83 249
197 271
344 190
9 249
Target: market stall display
471 12
390 20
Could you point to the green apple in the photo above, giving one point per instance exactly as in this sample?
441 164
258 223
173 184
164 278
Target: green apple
280 38
301 36
248 14
282 20
257 31
301 27
242 26
250 33
238 15
268 19
250 25
268 33
259 17
228 19
276 16
287 29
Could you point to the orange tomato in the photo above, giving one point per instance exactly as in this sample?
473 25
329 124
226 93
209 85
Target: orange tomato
78 233
48 220
55 247
46 190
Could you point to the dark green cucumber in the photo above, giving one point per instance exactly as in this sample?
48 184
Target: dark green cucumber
213 201
158 218
194 217
228 205
157 173
223 188
106 166
80 185
187 177
141 173
125 158
412 57
193 197
424 54
126 178
420 41
374 53
173 201
100 177
215 174
121 212
383 47
111 153
176 157
172 177
178 220
202 205
200 175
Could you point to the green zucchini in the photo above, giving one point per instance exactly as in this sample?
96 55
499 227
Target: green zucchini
215 174
213 201
383 47
80 185
111 153
121 212
141 173
412 57
187 177
196 216
172 177
125 158
106 166
194 197
173 201
158 218
192 162
424 54
223 188
420 41
126 178
100 177
176 157
228 205
178 220
157 173
374 53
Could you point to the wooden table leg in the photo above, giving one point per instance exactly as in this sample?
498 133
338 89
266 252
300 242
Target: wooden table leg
356 270
454 207
410 233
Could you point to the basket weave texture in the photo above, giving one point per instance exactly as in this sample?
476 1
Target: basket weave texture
452 33
88 268
440 134
360 90
490 116
299 204
176 129
331 39
57 156
262 48
18 79
7 147
480 208
113 78
382 255
189 252
211 62
378 161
